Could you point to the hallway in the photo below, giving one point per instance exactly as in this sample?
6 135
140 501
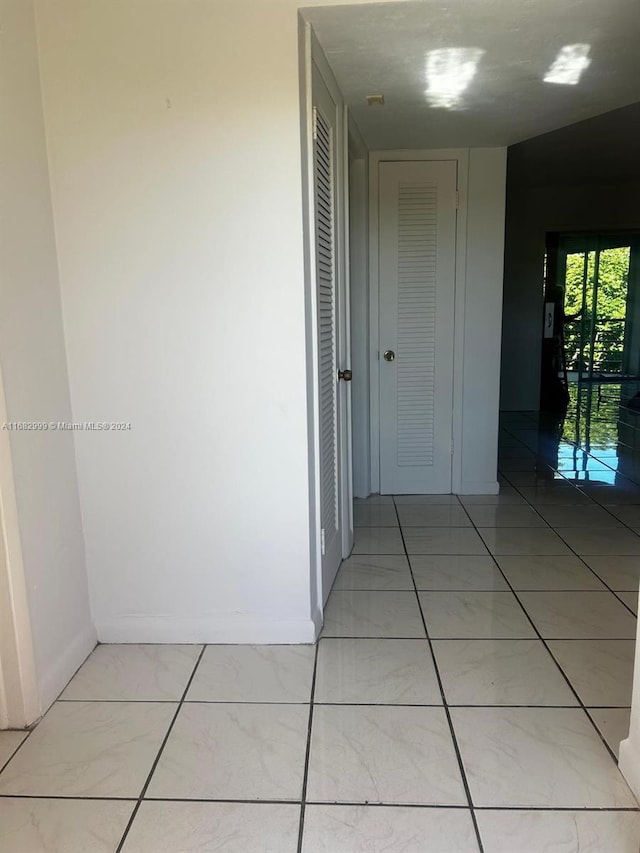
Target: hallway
471 687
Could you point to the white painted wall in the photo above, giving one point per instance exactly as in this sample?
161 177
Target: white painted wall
359 285
174 139
34 370
483 319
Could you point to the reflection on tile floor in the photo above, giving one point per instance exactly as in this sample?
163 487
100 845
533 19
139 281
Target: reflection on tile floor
469 693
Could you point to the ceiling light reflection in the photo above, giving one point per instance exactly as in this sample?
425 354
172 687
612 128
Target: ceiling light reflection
449 72
569 64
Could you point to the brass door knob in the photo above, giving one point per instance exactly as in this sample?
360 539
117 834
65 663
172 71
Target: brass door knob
347 375
389 355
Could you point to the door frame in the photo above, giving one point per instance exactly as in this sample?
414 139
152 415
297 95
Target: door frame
461 157
312 54
19 701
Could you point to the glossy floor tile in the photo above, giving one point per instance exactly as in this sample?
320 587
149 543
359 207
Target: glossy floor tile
505 541
375 515
474 615
579 615
377 540
578 516
630 599
382 572
507 497
548 573
544 757
383 755
448 572
496 728
412 515
254 674
134 673
373 672
358 829
618 573
601 540
372 614
425 500
629 515
9 742
613 725
442 540
228 827
62 826
505 516
559 832
554 495
233 751
89 749
600 671
500 672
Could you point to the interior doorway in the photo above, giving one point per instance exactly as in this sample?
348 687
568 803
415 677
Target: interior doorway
417 252
591 335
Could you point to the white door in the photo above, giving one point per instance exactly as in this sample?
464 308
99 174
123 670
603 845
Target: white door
417 278
331 284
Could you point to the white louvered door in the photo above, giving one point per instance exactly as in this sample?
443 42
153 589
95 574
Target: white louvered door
417 278
330 344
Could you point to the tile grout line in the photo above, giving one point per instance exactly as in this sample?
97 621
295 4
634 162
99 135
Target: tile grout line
544 642
28 733
445 707
330 803
140 797
307 757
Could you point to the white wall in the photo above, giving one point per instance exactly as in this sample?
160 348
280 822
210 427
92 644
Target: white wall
34 370
583 177
359 287
174 138
483 318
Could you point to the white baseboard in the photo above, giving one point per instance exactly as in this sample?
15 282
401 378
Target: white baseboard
55 679
491 487
227 630
629 764
318 622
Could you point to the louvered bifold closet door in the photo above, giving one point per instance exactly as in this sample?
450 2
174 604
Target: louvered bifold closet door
417 279
325 219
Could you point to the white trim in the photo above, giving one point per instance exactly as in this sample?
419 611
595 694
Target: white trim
311 319
629 761
359 328
311 53
19 701
461 157
236 629
345 321
374 320
457 486
53 682
358 145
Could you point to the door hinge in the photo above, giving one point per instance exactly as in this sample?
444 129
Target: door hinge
457 197
315 126
452 447
322 542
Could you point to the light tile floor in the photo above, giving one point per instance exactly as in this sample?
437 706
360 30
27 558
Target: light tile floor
468 695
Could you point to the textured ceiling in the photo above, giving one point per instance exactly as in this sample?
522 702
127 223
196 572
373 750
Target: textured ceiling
383 47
